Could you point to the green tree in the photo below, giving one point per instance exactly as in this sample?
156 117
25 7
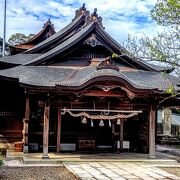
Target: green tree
19 38
165 47
1 161
167 12
1 48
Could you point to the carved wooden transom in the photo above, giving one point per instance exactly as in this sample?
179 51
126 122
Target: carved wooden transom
92 41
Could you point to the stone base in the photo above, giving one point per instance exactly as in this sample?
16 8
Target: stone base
45 157
25 149
151 156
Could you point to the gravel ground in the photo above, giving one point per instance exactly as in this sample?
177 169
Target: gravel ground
33 173
174 170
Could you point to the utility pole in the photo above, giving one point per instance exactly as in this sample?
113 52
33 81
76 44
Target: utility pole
4 32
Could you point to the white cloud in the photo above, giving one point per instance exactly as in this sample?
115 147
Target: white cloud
119 17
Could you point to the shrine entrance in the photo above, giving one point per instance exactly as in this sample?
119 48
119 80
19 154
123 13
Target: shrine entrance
96 130
85 135
90 124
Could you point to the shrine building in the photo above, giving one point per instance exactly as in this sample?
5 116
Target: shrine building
80 91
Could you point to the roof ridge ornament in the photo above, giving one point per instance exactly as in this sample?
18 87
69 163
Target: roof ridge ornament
48 22
88 18
94 18
81 11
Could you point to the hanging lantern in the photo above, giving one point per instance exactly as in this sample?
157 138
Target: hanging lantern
109 123
118 121
92 124
84 120
101 123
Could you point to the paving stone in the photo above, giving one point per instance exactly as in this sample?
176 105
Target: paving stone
80 171
119 178
84 176
129 176
95 165
119 171
154 175
101 177
73 166
149 178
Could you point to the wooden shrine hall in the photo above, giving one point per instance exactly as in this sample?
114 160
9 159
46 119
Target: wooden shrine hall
78 90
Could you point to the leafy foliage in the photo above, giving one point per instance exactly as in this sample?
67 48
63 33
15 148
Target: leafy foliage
167 12
115 56
170 90
177 111
1 47
19 38
1 161
165 47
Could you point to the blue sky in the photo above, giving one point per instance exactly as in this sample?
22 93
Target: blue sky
120 17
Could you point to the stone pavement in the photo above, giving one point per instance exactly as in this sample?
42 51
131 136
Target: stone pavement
33 158
104 166
117 171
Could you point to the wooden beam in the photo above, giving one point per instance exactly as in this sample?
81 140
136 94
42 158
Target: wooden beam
89 105
121 135
46 129
152 120
58 131
103 93
26 125
101 110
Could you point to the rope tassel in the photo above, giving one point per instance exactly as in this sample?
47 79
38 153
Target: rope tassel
109 123
101 123
92 124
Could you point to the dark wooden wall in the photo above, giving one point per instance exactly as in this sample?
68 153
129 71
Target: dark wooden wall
11 111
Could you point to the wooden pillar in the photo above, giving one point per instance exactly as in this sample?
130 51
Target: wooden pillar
121 135
152 120
58 131
46 129
26 125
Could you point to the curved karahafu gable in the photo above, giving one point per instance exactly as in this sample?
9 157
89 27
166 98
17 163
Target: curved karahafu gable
77 78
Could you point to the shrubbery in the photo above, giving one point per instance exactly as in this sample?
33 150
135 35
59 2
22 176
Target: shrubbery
1 161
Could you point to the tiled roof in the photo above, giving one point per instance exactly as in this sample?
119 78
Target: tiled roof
19 58
63 46
50 76
78 37
139 79
47 28
57 35
75 40
38 75
158 67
